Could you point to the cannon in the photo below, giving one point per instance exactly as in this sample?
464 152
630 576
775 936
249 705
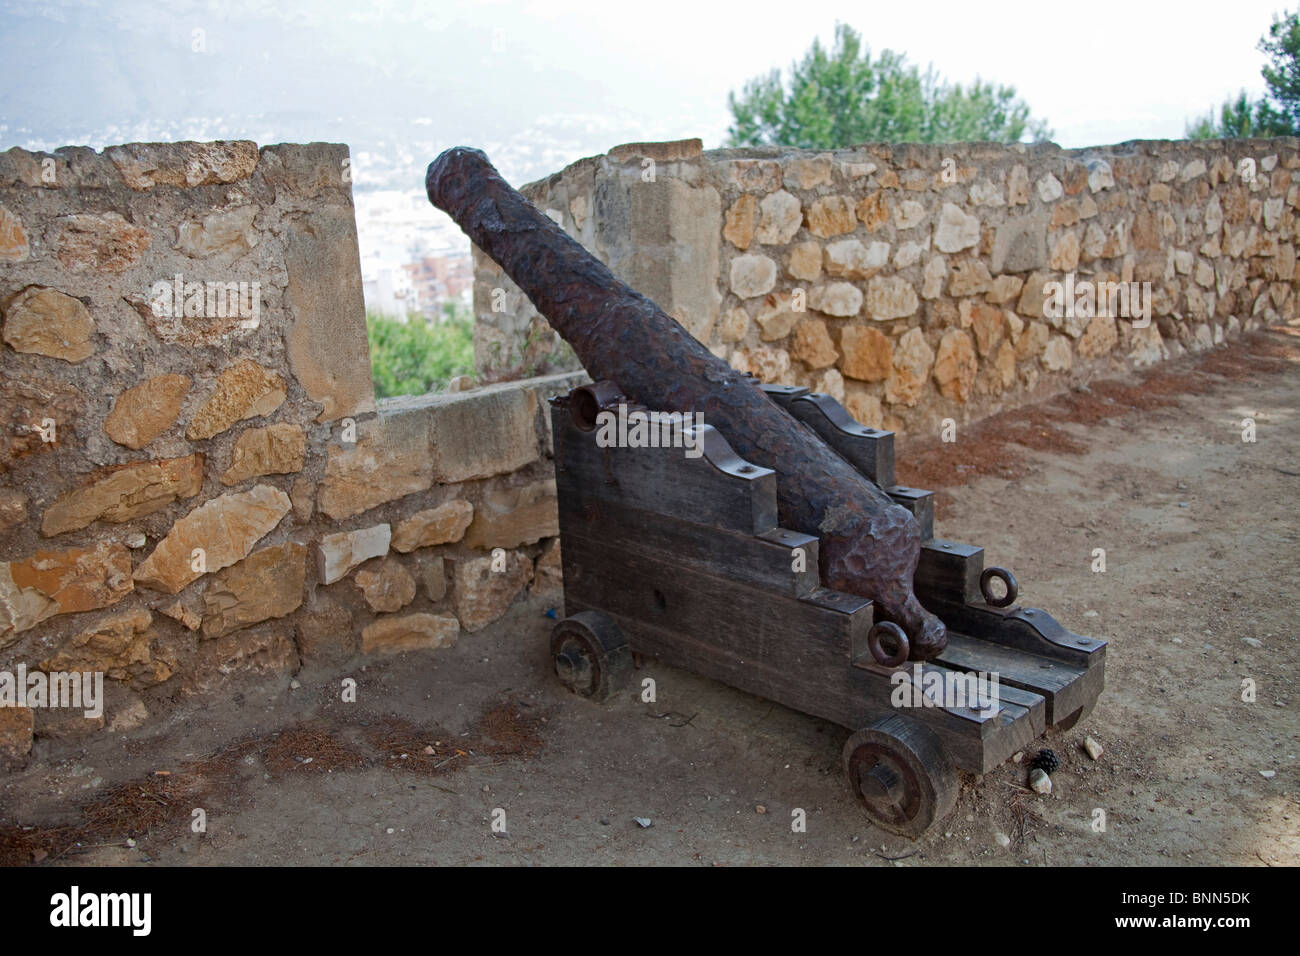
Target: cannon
870 544
763 541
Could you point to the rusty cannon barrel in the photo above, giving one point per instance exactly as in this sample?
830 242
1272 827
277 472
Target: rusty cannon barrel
870 545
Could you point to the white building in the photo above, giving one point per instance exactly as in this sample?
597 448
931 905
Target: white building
388 290
395 228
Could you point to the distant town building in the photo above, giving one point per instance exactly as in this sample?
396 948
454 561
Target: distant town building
440 279
388 290
414 259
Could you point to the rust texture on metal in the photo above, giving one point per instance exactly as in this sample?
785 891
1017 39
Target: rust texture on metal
870 545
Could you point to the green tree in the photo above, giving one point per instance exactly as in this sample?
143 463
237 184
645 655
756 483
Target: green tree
1278 112
842 97
1282 72
416 356
1241 118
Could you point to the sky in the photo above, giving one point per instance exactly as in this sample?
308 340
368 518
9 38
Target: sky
541 83
1099 72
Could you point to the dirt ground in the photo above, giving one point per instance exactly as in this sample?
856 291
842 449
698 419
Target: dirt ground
1202 538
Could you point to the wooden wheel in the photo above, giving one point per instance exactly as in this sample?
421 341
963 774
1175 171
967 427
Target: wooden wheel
900 773
591 655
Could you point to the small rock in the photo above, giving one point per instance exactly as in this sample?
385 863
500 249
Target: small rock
1252 641
429 750
1094 749
1003 839
389 830
760 809
1019 756
1268 774
294 685
130 842
1039 781
645 823
1089 613
136 540
604 821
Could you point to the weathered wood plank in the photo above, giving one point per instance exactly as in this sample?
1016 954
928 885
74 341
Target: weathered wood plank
1064 687
918 501
1041 675
1020 705
717 488
949 571
1026 628
1036 703
869 450
743 619
1018 727
768 560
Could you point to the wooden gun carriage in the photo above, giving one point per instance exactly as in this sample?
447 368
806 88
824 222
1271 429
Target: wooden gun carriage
680 558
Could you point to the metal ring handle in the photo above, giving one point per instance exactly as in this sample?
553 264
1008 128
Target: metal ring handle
1009 579
880 629
588 401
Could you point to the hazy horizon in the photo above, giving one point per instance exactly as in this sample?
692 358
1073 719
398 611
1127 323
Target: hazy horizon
541 84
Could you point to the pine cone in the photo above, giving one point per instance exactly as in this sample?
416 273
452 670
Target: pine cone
1046 761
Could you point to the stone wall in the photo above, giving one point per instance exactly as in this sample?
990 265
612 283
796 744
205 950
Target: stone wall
198 491
910 281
